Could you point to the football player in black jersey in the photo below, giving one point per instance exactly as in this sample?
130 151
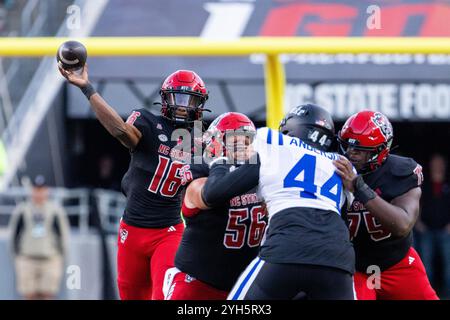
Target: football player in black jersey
151 227
218 242
386 207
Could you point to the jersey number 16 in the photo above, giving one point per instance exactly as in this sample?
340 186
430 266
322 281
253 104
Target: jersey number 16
170 185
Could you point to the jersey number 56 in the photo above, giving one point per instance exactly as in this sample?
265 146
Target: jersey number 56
237 233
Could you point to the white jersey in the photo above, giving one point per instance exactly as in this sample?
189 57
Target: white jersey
294 174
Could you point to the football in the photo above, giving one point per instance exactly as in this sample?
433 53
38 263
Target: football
71 55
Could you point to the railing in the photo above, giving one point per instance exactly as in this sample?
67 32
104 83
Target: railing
111 205
76 203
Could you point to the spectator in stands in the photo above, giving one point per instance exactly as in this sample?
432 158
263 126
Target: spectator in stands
434 223
39 230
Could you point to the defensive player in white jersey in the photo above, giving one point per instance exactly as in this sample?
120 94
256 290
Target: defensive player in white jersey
307 250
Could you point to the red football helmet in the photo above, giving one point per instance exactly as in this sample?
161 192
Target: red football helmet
368 131
227 123
186 89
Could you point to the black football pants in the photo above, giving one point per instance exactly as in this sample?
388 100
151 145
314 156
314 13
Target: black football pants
275 281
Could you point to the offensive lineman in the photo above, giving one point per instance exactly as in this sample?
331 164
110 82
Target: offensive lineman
306 250
151 226
386 207
219 242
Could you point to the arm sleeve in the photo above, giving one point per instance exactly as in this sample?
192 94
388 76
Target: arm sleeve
223 184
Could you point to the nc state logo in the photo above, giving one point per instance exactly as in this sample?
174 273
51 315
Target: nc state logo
385 126
123 235
299 111
188 279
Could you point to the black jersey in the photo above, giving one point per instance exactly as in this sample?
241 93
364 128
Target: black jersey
153 180
374 245
219 243
301 235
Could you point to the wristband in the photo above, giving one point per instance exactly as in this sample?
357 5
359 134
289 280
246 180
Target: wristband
363 192
88 90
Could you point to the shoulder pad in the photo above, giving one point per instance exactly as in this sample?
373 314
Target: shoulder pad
402 166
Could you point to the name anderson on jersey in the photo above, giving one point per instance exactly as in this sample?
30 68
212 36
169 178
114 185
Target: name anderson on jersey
299 143
293 141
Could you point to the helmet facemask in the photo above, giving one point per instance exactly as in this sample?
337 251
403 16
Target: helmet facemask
238 144
233 144
376 155
183 107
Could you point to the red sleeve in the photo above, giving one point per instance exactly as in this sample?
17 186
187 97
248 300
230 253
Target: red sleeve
189 212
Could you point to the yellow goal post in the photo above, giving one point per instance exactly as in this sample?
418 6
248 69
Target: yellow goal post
272 47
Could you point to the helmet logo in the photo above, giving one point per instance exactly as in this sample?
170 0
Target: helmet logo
385 127
323 123
299 111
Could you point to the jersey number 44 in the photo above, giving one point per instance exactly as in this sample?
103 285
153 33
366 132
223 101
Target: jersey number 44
307 166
